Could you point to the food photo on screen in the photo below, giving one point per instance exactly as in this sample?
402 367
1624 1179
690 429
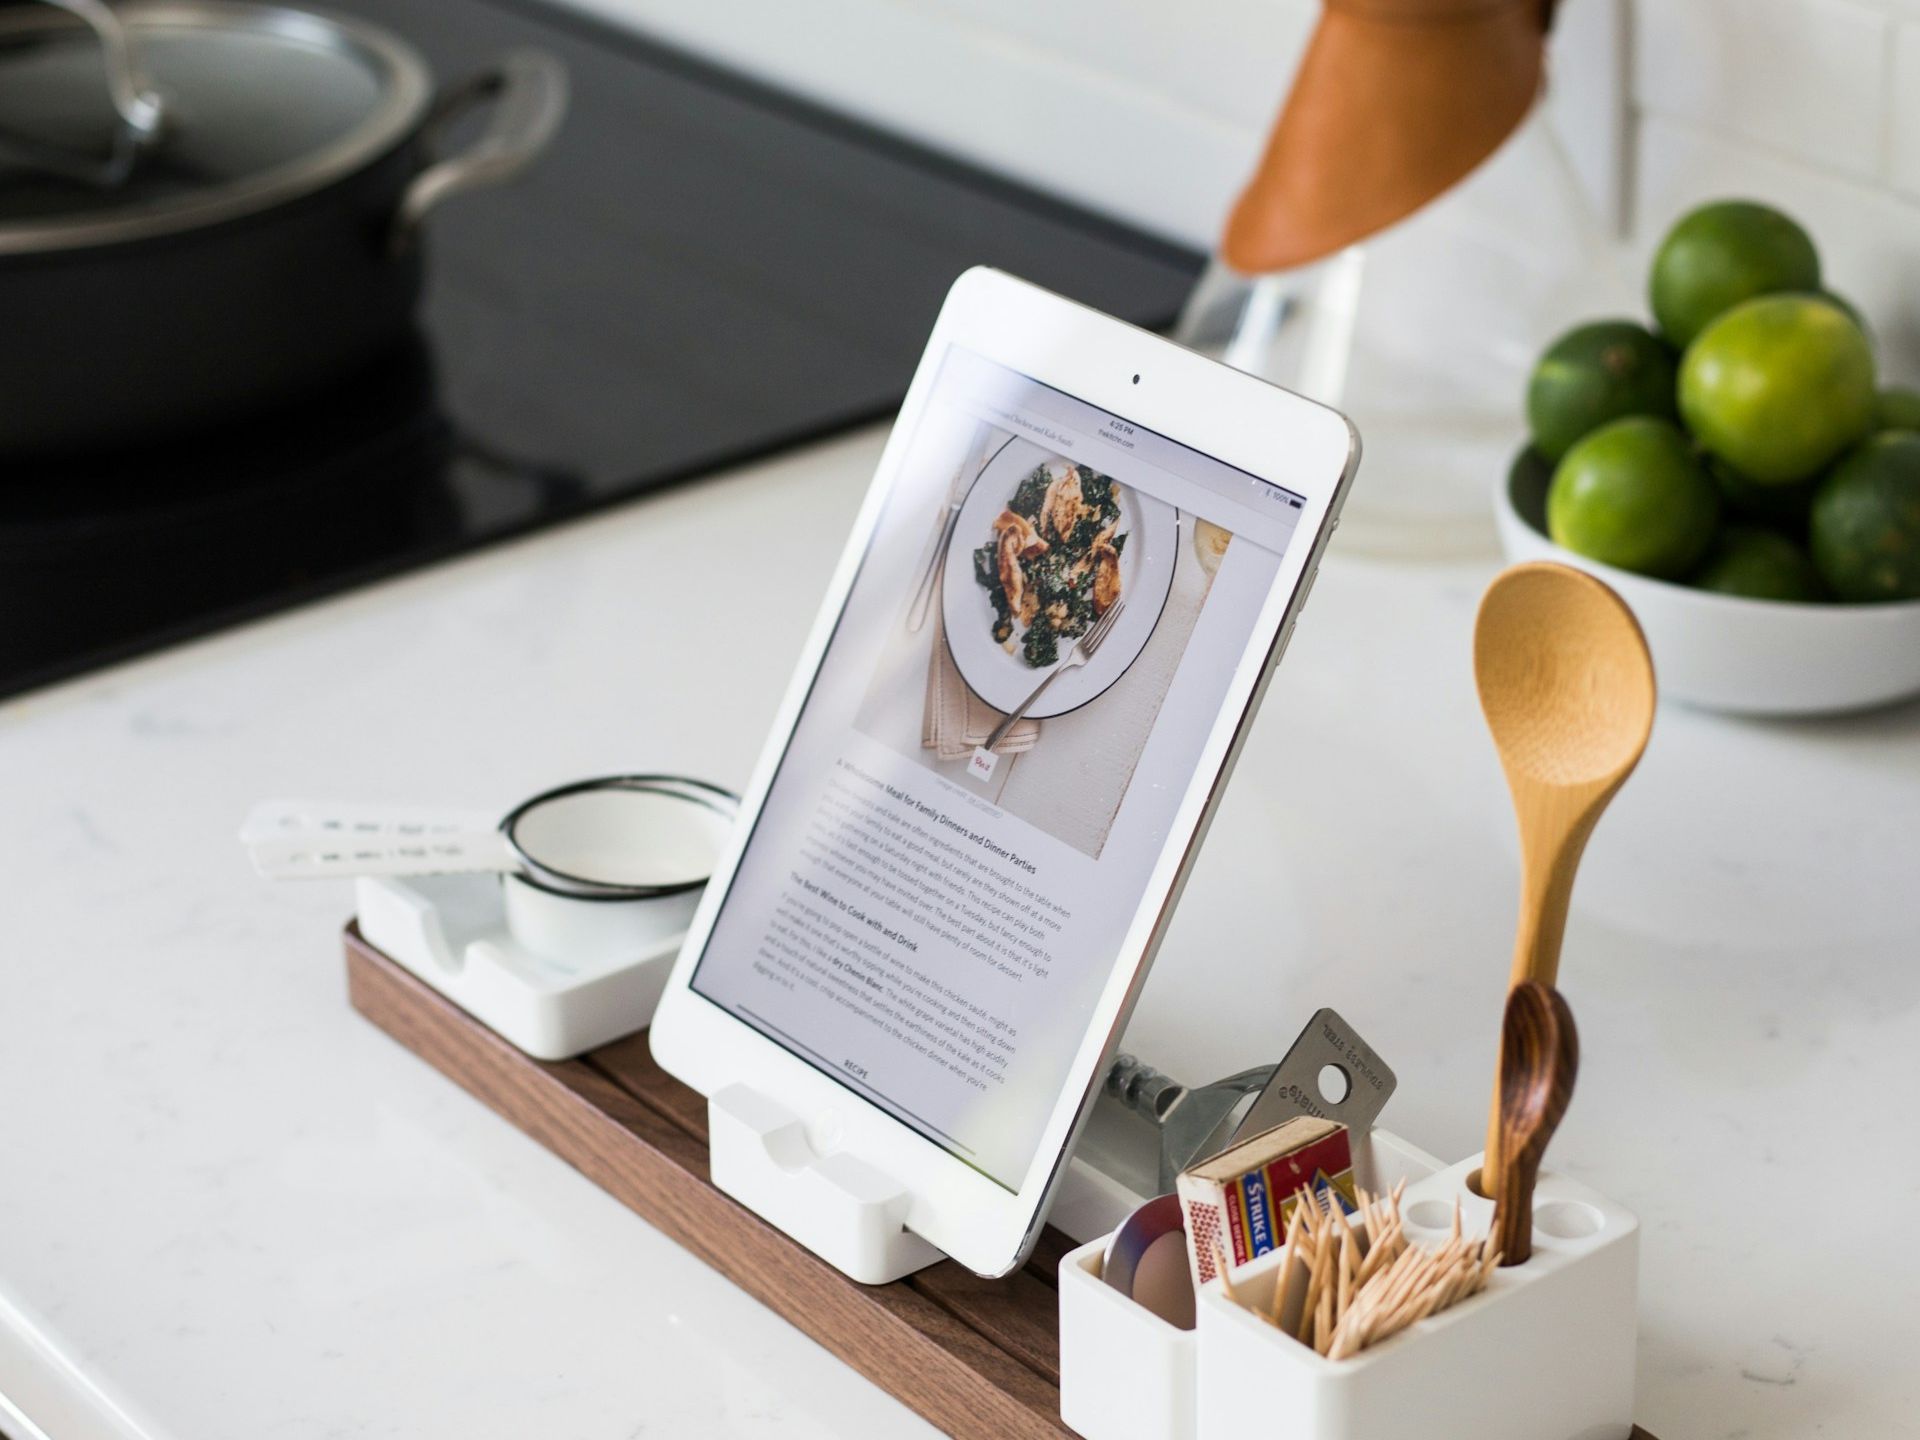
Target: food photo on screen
1042 549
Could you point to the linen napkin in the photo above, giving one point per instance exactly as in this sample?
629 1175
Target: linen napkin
959 721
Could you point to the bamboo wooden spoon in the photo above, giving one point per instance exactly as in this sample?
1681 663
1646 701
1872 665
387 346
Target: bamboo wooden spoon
1567 687
1539 1056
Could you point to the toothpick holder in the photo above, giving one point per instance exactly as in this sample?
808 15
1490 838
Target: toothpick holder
1545 1352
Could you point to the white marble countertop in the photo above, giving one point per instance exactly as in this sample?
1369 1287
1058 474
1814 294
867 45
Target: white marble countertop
230 1208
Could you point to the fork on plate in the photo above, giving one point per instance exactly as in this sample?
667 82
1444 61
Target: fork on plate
1082 651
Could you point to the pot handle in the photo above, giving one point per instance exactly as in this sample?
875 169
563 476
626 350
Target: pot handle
134 101
134 98
528 90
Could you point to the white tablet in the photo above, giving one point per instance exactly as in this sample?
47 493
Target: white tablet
927 944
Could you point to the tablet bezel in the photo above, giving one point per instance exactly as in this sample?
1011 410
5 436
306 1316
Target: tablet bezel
1269 432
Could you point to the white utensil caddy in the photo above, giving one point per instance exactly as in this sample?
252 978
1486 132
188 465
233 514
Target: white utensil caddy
1546 1352
581 989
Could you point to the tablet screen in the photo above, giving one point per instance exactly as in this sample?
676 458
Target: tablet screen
932 921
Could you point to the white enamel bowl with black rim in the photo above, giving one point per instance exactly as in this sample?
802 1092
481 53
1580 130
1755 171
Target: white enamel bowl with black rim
1728 653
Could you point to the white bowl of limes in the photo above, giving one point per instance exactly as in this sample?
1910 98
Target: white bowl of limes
1726 652
1735 475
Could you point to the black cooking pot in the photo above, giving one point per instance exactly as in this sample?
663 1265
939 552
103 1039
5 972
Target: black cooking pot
225 214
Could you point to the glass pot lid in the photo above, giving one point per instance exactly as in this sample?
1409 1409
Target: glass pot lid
259 105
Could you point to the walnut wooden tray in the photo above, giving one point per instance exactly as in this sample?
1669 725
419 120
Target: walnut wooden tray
977 1358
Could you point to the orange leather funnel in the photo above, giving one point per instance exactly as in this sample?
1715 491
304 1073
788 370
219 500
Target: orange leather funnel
1395 101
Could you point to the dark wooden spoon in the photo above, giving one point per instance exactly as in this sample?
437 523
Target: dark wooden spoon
1539 1056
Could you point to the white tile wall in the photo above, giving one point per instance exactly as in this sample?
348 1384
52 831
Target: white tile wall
1149 111
1155 111
1235 80
1903 139
1808 77
1869 237
1813 105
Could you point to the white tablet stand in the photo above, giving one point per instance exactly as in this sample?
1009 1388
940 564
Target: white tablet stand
853 1214
849 1213
451 931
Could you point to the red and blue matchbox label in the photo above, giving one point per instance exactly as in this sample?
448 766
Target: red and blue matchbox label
1247 1212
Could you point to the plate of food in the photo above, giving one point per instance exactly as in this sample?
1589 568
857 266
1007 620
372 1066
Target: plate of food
1044 546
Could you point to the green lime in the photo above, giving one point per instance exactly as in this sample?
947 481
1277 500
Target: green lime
1530 471
1778 386
1897 408
1724 253
1632 495
1759 564
1847 308
1866 521
1593 374
1781 506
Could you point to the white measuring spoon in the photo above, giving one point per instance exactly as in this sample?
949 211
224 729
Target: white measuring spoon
628 836
297 840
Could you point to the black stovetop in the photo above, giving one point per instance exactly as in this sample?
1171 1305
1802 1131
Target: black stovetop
701 270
